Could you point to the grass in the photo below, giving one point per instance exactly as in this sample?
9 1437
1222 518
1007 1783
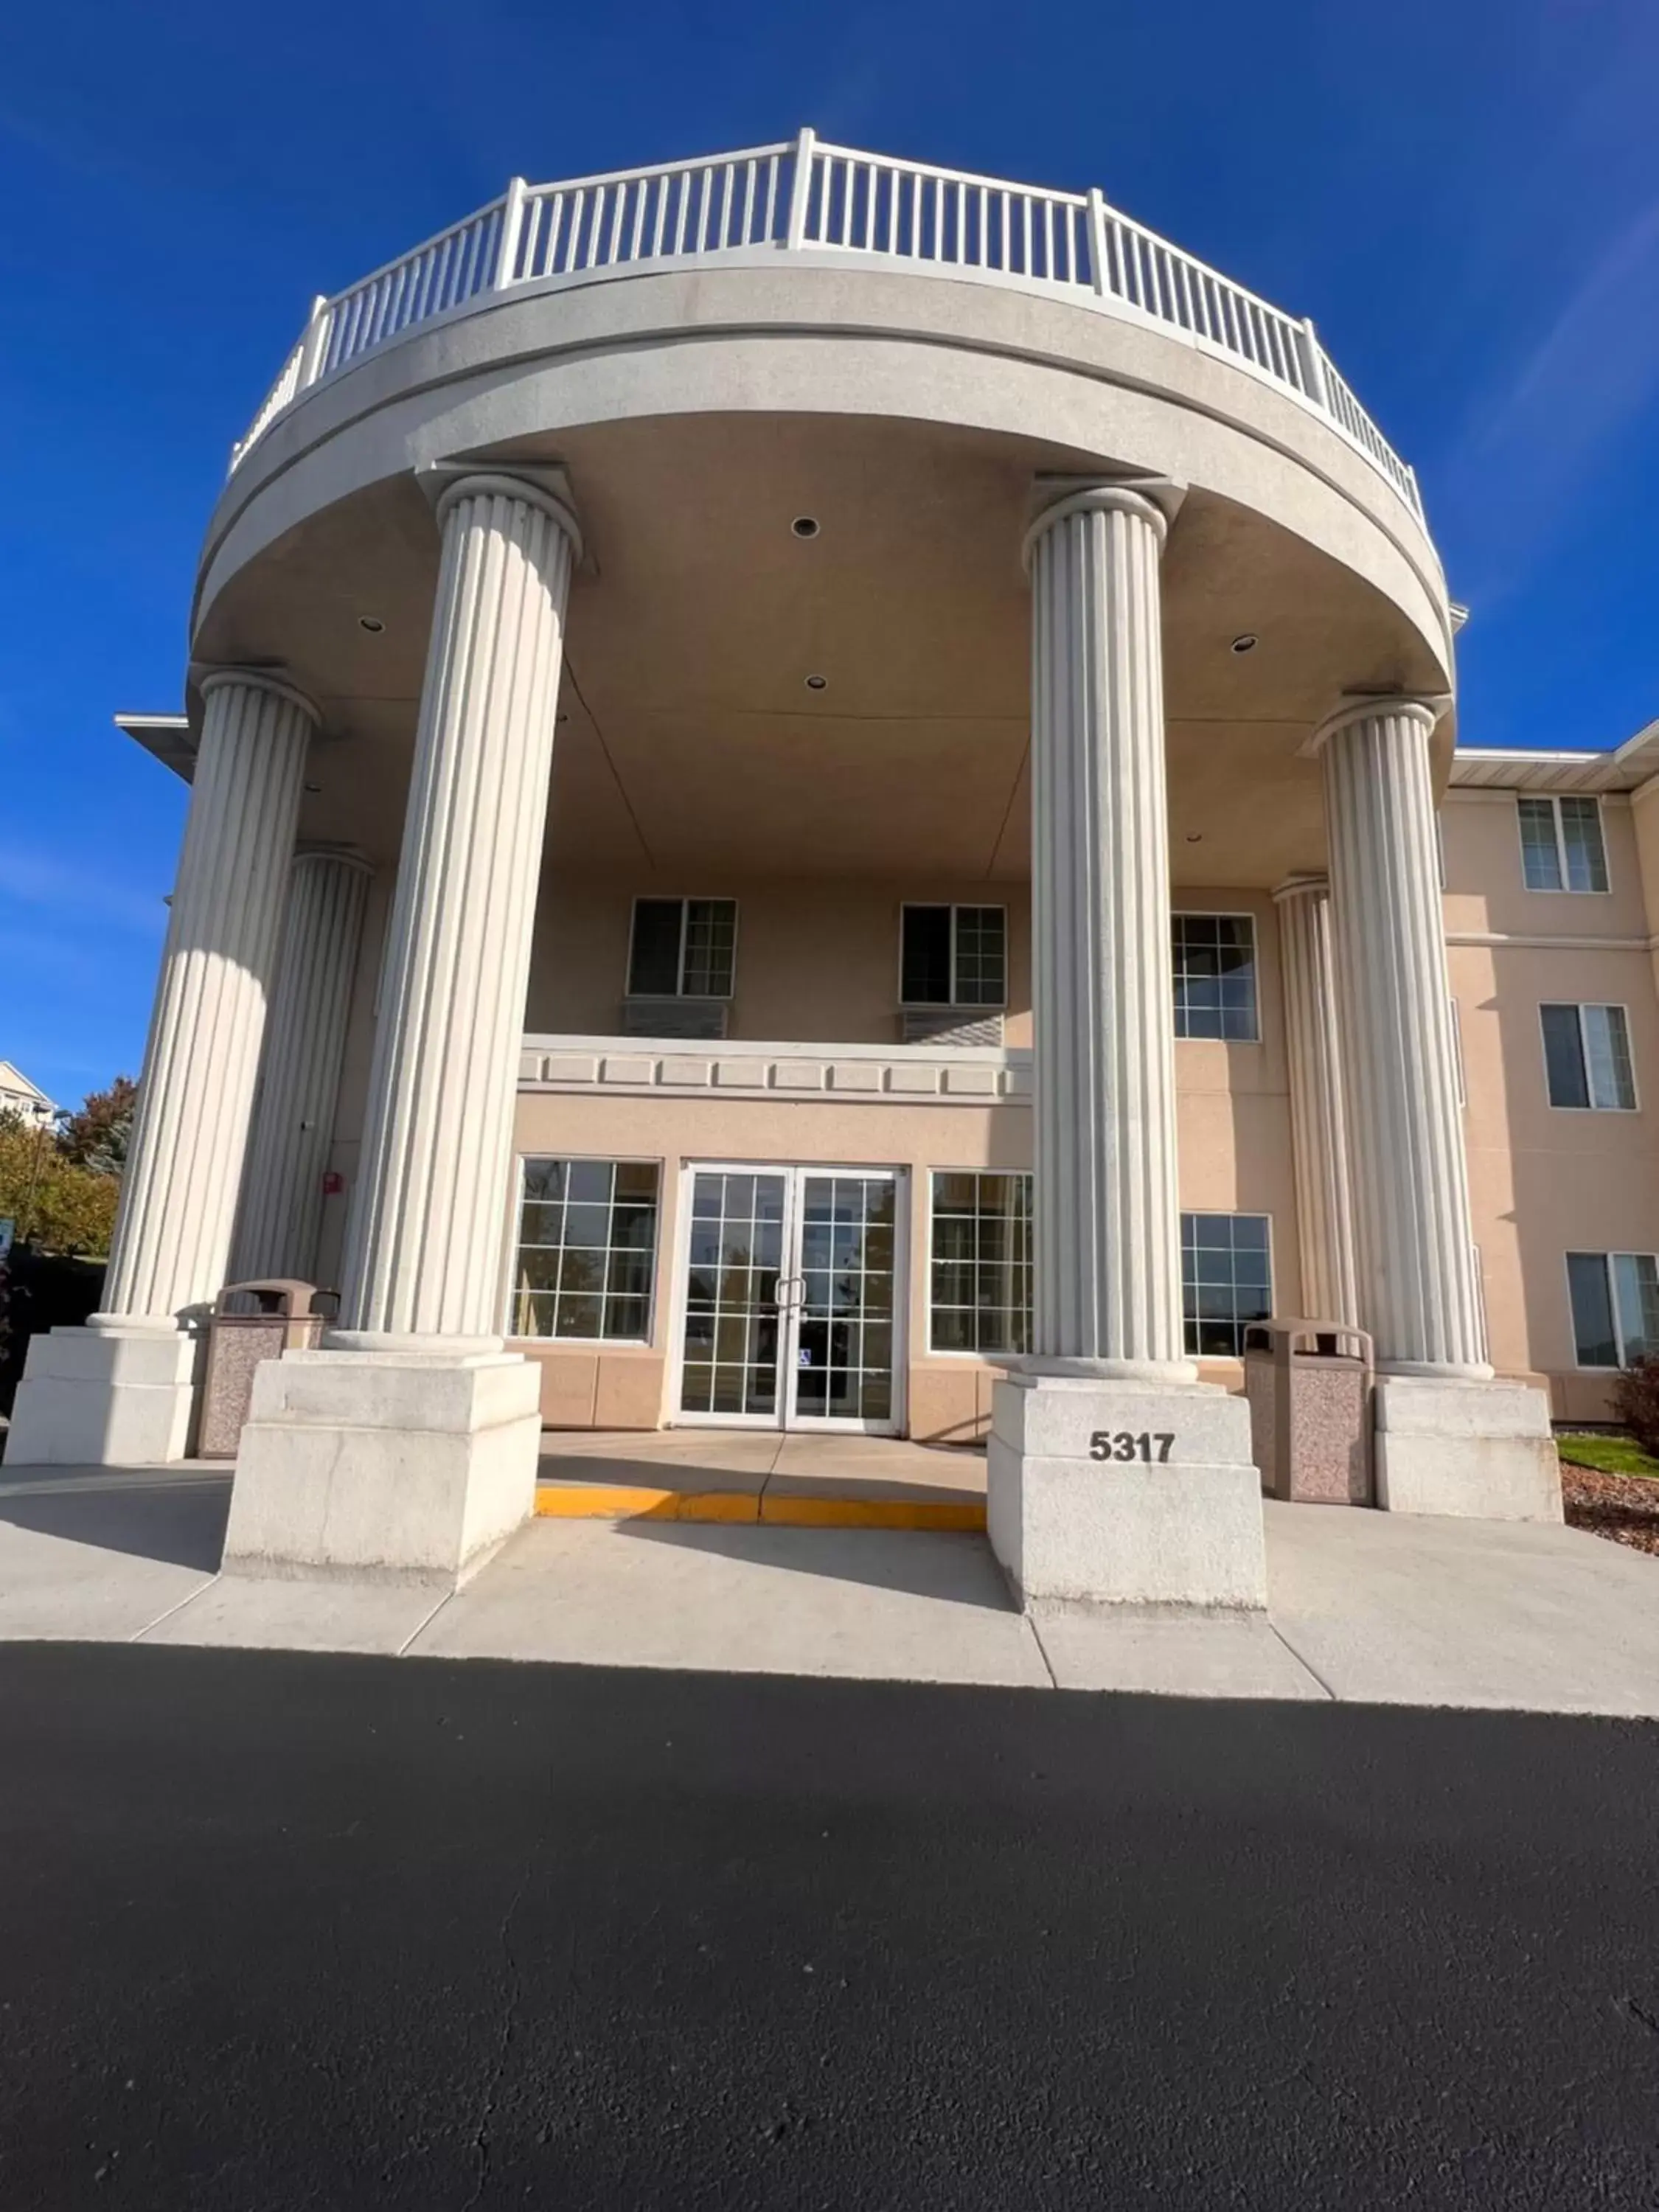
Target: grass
1608 1455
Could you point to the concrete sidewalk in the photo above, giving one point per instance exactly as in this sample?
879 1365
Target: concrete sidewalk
1365 1606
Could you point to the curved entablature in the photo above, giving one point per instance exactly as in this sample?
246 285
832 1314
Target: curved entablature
803 196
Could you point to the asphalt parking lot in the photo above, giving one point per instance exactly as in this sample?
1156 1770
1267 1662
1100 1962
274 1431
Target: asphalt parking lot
286 1931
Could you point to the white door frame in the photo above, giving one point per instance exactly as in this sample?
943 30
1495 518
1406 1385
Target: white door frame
787 1420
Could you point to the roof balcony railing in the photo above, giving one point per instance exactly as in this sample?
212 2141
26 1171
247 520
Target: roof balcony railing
805 196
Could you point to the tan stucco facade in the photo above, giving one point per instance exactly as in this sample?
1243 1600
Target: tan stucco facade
817 964
1548 1180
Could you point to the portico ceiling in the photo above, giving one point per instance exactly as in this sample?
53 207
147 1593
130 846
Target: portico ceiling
688 734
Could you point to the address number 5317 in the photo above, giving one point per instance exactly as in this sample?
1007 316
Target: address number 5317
1154 1444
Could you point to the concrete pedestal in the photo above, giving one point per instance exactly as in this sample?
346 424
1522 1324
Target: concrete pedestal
384 1465
104 1397
1084 1509
1483 1450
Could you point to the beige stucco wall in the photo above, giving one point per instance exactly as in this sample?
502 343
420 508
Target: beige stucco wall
1544 1180
819 962
818 959
947 1395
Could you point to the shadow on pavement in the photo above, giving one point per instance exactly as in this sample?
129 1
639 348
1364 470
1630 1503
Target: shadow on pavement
177 1520
956 1567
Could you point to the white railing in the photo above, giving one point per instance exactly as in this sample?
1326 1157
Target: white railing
682 207
804 195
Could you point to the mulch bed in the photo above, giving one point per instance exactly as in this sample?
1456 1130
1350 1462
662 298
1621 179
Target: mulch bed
1622 1506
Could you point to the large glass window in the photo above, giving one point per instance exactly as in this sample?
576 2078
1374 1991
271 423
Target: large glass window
1615 1306
587 1250
954 956
683 948
1587 1057
979 1292
1215 976
1561 844
1226 1280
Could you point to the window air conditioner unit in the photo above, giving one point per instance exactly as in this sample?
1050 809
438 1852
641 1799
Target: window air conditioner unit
674 1018
948 1026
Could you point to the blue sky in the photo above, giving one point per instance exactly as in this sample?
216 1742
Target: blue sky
1462 192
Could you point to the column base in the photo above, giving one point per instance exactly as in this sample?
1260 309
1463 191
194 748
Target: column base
105 1397
382 1466
1072 1530
1484 1450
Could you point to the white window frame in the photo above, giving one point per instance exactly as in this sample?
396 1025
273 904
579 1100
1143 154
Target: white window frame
954 1004
1228 1213
1221 914
904 1290
685 901
932 1168
648 1342
1578 1006
1460 1074
1606 1259
1564 889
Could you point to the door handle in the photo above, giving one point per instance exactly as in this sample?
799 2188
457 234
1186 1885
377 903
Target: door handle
794 1286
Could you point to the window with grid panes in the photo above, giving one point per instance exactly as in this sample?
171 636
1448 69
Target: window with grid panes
1615 1307
1562 847
979 1287
683 948
1587 1057
953 956
1226 1280
1215 976
586 1264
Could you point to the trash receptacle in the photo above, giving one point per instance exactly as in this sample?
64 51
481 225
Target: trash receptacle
280 1318
1309 1384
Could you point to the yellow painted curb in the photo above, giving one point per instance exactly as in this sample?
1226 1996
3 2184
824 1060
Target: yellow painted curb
612 1501
798 1512
605 1501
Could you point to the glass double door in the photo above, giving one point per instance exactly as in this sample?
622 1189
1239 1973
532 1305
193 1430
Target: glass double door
790 1298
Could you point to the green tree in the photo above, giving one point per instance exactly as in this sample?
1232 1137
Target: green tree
57 1204
97 1136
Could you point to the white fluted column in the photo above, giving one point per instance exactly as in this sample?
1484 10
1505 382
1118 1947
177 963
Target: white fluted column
1107 1229
1319 1128
178 1194
1413 1244
281 1204
424 1245
1112 1476
119 1392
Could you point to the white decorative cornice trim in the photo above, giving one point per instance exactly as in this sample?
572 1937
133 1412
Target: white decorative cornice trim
1533 941
876 1075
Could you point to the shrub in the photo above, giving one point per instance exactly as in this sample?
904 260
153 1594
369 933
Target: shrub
1636 1403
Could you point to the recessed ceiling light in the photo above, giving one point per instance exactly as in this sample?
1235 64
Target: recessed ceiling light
818 683
372 624
806 526
1246 642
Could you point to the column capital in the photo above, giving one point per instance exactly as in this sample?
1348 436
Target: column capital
212 679
347 856
1423 707
1156 500
446 483
1295 887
